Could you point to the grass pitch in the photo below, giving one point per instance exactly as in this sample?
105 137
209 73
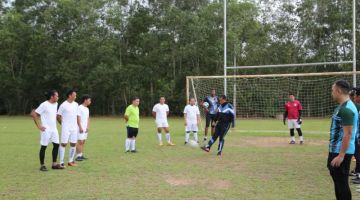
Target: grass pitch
258 163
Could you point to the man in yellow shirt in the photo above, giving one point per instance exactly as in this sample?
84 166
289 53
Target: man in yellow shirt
132 119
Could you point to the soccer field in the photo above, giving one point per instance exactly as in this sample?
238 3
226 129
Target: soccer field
257 163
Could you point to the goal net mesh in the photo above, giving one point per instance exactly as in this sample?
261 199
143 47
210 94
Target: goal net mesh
264 96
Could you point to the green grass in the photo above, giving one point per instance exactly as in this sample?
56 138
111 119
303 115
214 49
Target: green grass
257 164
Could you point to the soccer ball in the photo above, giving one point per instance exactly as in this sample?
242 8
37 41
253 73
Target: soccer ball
206 104
193 143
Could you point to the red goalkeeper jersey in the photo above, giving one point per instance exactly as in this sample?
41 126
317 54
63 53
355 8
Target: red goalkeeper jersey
293 107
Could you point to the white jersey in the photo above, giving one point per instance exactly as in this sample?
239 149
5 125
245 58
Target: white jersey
47 112
191 113
83 113
68 112
161 112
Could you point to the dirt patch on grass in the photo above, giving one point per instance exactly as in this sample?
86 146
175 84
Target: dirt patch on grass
181 181
177 181
273 142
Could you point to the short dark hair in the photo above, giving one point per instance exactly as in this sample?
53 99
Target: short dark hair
85 97
212 89
161 96
343 85
291 93
357 91
352 92
223 96
69 92
191 98
50 94
134 98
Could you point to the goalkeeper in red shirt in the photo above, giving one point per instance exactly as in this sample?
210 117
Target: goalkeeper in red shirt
292 113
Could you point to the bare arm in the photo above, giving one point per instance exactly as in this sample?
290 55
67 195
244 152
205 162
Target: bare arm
185 119
153 114
198 118
59 119
126 118
79 124
35 117
88 125
167 113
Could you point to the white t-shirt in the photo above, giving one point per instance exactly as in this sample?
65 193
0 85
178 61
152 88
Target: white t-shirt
191 113
83 113
47 112
68 112
160 110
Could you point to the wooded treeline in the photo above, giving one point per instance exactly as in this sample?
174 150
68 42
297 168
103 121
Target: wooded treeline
116 49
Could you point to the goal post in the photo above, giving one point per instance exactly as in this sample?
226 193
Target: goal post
264 96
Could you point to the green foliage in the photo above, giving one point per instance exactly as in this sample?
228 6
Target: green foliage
115 49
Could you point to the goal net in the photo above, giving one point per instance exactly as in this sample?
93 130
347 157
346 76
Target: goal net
264 96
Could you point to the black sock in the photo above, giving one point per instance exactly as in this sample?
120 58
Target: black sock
299 131
42 155
292 132
55 152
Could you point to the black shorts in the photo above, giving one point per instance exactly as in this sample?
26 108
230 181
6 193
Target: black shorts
132 132
209 119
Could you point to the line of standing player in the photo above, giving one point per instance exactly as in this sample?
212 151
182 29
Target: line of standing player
74 121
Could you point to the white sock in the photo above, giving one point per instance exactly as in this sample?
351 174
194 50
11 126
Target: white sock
159 137
167 137
301 138
187 135
133 145
127 144
72 154
62 154
292 138
196 136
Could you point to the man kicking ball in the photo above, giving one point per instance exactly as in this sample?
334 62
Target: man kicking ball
160 112
224 118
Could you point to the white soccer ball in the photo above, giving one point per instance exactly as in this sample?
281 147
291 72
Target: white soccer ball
193 143
206 104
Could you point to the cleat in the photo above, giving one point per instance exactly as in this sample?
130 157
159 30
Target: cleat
62 165
84 158
171 144
79 158
292 142
127 151
205 148
72 164
301 142
57 166
43 168
161 144
219 153
185 143
205 139
133 151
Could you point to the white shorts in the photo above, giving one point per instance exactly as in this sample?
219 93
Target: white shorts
162 124
191 127
49 136
68 136
82 136
292 123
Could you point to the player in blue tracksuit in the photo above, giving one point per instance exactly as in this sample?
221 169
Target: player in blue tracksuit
225 118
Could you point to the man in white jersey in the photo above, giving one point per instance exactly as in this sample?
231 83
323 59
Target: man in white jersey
48 131
83 121
160 112
192 119
67 117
